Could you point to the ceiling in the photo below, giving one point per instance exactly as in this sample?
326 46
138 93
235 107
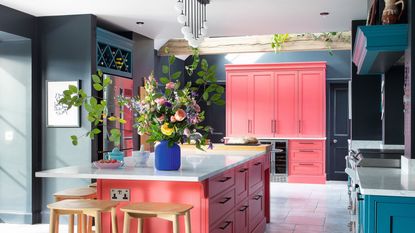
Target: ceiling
225 17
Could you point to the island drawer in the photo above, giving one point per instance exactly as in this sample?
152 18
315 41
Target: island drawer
220 205
256 208
306 155
306 144
221 182
225 225
256 173
306 168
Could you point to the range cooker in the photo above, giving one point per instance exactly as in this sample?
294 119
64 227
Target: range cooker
387 158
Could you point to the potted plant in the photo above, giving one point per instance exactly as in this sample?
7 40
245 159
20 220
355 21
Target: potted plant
169 114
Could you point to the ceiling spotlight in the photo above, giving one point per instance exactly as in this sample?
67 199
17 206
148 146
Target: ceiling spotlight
140 24
324 13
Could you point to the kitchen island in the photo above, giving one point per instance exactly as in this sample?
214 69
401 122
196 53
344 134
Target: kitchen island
228 187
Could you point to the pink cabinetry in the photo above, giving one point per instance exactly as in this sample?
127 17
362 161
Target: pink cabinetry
276 100
234 201
306 161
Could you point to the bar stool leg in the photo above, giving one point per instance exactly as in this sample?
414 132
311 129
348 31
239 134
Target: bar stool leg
175 219
89 230
187 222
84 223
139 225
52 221
98 226
56 222
114 220
79 223
126 223
71 223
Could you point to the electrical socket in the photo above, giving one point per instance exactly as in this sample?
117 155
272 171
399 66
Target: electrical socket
120 194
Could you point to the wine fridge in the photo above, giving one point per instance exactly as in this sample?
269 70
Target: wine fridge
279 159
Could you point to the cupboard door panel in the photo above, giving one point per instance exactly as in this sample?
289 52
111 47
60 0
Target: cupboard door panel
312 103
241 182
263 104
286 103
242 217
239 107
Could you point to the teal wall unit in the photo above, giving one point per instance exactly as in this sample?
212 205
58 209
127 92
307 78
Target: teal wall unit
385 214
114 53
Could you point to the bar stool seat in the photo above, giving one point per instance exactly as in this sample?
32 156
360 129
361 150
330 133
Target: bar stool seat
167 211
92 208
76 193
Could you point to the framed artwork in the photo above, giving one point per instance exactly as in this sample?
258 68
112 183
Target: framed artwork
58 116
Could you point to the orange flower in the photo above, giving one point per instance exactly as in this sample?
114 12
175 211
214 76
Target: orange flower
180 115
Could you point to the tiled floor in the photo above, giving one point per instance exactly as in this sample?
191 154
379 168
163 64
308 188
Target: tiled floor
295 208
305 208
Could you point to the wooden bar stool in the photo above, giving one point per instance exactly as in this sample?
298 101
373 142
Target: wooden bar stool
167 211
76 193
92 208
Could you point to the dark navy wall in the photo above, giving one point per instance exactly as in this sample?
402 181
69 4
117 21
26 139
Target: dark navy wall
338 65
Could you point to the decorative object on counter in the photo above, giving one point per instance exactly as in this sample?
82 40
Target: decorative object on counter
167 158
141 156
241 141
130 161
59 116
107 164
115 154
392 14
193 18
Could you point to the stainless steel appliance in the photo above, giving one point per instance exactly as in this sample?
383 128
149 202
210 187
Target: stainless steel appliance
366 158
279 159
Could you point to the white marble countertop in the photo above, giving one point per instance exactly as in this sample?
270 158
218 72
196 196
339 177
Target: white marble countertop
385 182
196 166
367 144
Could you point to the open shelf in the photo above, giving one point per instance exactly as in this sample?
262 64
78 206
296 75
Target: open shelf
378 47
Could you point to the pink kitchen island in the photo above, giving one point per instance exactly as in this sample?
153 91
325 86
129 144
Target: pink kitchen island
228 187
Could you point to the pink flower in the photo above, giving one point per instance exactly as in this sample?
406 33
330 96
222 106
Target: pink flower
160 101
180 115
172 119
170 85
196 107
160 118
186 132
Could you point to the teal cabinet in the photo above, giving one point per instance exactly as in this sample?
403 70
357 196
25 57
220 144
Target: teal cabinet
384 214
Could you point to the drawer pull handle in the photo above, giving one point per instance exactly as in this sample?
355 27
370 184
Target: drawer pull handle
306 143
243 170
307 151
257 197
225 179
257 164
225 200
243 208
227 223
306 164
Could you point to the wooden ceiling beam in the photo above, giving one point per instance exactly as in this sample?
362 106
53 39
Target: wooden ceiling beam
247 44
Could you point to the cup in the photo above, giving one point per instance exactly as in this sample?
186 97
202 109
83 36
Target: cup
130 161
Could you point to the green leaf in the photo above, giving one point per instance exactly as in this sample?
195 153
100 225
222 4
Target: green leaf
172 59
165 69
93 102
99 72
91 118
216 97
112 118
200 81
201 73
107 81
98 87
177 85
164 80
220 89
122 121
96 79
205 96
176 75
168 92
220 102
96 131
204 65
73 88
74 140
67 92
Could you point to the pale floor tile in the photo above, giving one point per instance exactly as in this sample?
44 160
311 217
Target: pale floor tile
295 208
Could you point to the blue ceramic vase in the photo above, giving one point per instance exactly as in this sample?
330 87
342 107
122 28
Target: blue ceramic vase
167 158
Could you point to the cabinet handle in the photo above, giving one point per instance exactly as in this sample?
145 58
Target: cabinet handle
276 126
272 126
306 150
359 197
243 208
223 180
257 164
306 164
299 126
306 143
226 199
249 126
257 197
243 170
227 223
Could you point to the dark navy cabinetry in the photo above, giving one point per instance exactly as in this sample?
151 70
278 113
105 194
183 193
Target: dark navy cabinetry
114 53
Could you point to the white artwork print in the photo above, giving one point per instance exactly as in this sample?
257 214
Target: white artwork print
57 114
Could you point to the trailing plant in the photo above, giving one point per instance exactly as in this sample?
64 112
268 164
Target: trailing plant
278 41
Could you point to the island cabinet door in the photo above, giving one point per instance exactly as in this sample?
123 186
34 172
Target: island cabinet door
242 217
225 225
394 217
239 108
241 182
286 104
220 205
256 208
256 174
263 120
312 103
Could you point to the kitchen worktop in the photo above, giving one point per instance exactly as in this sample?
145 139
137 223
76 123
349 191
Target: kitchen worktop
385 182
366 144
196 166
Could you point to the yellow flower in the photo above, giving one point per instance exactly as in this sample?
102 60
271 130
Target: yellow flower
166 130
